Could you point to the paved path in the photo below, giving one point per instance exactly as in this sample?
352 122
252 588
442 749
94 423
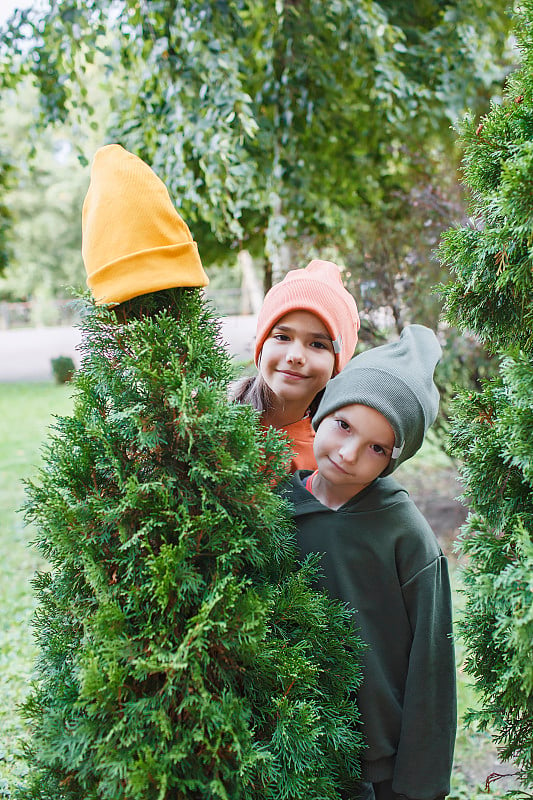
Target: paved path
26 353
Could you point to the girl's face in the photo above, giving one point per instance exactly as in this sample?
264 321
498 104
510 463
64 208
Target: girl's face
297 358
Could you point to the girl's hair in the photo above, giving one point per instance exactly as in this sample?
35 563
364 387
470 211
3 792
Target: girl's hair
254 391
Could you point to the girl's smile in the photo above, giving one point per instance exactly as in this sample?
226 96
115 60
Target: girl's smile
292 375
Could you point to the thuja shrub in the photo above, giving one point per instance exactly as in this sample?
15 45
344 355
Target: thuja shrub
183 652
492 297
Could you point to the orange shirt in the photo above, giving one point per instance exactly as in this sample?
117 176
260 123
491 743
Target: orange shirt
301 436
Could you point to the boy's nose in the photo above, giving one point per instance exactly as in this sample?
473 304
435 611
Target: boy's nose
350 452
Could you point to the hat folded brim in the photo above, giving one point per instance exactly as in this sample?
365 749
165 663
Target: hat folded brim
148 271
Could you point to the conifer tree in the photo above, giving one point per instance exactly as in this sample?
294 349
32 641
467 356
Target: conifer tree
183 653
492 296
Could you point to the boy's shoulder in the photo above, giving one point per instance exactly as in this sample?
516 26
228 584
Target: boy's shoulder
383 514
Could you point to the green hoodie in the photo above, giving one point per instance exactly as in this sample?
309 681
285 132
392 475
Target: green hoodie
381 558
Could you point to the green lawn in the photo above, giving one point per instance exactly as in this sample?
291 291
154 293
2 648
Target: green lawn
26 410
25 413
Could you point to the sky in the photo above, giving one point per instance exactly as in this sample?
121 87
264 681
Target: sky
8 6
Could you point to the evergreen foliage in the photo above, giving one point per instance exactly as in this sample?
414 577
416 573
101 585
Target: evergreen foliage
492 296
183 652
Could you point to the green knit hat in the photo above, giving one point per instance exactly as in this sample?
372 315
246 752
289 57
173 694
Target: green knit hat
397 380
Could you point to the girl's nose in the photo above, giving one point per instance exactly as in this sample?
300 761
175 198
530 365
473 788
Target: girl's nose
295 354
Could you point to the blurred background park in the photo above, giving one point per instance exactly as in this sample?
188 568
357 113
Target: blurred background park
284 130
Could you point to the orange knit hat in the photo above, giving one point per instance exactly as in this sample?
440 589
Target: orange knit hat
316 288
133 239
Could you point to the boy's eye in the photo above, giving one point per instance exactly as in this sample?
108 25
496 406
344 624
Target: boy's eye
343 424
281 337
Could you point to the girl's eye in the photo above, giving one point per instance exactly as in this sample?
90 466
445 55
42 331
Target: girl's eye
377 448
343 424
319 345
281 337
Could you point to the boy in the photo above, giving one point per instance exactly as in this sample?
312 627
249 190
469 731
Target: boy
381 558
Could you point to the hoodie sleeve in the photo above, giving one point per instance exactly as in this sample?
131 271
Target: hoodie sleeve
429 719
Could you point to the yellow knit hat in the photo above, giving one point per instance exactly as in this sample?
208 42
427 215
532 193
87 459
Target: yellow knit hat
133 239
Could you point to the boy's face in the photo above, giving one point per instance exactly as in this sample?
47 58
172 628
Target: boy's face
352 447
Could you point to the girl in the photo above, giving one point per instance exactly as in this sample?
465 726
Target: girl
306 333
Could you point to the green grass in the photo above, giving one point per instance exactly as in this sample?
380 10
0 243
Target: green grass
25 413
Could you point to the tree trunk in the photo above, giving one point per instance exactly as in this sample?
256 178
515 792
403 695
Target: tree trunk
251 294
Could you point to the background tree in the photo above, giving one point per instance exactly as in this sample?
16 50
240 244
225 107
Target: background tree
6 219
44 200
292 129
492 296
274 120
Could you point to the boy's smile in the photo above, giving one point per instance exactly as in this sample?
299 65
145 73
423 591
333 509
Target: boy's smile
353 446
